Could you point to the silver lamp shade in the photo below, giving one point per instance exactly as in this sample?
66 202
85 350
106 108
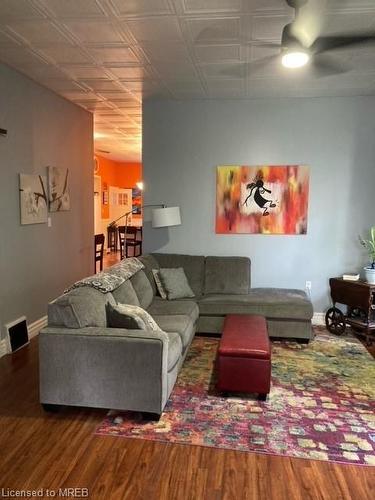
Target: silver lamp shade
167 216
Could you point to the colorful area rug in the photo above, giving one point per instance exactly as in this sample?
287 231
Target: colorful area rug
321 405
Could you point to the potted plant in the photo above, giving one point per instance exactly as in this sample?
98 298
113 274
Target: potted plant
370 247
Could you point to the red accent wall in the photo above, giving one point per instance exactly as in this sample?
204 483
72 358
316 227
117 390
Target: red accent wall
117 174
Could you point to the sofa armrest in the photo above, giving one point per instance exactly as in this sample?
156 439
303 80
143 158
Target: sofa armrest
104 368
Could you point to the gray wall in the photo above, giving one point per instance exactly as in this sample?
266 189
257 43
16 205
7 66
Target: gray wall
37 262
183 142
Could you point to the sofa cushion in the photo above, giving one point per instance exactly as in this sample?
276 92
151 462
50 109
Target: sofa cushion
175 307
193 266
174 349
269 302
227 275
177 323
79 308
150 263
143 289
125 294
175 283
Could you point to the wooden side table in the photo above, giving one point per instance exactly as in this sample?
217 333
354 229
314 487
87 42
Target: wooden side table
359 299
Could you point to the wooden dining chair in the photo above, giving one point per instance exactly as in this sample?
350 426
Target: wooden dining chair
131 241
134 241
99 250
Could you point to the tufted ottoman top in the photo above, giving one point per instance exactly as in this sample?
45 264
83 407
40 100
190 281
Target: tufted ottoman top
245 336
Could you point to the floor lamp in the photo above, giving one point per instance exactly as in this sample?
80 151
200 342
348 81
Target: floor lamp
162 216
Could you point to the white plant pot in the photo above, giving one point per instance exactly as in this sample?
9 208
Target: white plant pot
370 275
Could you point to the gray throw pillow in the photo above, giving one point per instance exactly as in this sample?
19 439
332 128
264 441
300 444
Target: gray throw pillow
175 283
130 317
117 319
159 285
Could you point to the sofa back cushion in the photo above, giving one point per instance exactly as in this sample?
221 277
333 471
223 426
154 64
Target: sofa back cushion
81 307
150 263
193 266
125 294
227 275
143 288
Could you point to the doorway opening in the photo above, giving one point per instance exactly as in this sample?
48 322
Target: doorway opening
117 206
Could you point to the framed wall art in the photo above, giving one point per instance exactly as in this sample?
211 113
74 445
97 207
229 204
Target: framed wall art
137 201
33 199
58 188
262 199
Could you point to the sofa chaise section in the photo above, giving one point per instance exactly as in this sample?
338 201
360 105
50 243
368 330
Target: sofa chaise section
288 312
222 286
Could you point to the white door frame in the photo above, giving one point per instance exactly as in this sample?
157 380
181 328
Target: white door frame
97 204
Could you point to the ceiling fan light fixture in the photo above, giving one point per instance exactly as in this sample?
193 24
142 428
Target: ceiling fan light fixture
295 59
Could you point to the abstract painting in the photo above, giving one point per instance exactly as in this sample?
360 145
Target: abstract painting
136 201
58 186
263 199
33 199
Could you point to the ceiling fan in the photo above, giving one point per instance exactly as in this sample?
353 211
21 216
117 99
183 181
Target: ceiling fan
299 43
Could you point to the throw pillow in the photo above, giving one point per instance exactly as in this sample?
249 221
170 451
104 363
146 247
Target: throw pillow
130 317
175 283
159 284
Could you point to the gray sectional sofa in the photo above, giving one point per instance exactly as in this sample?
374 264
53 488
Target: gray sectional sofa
85 363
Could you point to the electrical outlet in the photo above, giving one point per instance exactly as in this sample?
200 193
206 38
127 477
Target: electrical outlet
308 285
49 222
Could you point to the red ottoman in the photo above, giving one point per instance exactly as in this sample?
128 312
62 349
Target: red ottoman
244 356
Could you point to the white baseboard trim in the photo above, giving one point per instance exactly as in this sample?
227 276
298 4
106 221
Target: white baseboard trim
3 347
34 328
318 319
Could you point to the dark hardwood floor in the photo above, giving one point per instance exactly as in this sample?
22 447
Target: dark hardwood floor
52 451
111 258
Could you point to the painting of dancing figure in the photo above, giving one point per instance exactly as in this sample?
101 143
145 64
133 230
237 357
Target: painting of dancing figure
263 199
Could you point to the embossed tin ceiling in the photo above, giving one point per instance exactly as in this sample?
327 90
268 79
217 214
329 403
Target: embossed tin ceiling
109 55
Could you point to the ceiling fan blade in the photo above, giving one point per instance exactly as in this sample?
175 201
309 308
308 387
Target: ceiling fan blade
296 4
309 21
234 70
258 64
266 45
240 70
325 43
321 66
